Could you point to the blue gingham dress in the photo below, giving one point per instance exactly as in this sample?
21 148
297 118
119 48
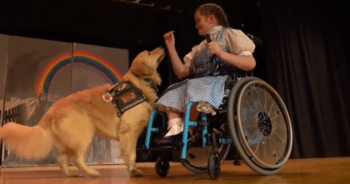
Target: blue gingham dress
209 88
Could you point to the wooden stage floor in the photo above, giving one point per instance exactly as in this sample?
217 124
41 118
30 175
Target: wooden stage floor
320 171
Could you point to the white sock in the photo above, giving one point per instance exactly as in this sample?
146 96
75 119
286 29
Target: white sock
175 126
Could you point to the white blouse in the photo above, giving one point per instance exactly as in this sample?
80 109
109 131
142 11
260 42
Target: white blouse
234 40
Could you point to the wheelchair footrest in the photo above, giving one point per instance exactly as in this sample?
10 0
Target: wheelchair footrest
162 148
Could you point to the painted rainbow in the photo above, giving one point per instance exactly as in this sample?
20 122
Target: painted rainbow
47 75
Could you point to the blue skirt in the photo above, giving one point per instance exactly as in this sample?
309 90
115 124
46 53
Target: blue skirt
210 89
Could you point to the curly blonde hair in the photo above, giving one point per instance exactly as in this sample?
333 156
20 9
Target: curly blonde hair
216 10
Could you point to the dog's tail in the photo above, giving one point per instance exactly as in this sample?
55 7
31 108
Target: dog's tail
27 142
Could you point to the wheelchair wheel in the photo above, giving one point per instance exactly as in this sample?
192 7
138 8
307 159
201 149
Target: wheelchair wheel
197 157
259 125
214 166
162 166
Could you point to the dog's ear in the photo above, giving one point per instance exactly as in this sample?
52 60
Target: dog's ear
142 69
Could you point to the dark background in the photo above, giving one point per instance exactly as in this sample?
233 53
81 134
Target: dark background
304 54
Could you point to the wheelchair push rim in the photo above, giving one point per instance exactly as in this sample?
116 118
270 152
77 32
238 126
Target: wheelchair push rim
260 125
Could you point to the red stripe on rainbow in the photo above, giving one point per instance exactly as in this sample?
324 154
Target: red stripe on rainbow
41 80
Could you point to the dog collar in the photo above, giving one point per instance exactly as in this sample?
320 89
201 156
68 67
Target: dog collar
149 80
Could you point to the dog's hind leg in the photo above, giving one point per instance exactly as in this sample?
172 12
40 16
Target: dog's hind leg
78 160
78 157
74 139
62 160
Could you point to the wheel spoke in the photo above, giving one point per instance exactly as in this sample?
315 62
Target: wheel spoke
271 153
279 125
252 135
279 142
273 104
251 100
265 99
274 117
279 128
259 151
252 113
257 147
257 94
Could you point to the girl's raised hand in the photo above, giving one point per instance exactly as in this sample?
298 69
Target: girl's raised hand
169 39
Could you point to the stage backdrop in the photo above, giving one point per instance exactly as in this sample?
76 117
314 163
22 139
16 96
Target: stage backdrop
3 60
41 72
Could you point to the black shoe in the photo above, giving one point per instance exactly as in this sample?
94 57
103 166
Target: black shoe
170 140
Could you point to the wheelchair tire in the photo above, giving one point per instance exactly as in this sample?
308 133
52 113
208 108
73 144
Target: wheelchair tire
162 166
259 125
214 166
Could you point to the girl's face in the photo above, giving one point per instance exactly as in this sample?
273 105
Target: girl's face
204 23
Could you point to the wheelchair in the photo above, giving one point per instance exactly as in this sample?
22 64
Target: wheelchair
253 120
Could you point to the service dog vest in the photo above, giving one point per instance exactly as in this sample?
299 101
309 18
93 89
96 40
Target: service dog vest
124 96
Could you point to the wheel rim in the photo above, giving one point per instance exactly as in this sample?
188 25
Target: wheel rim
264 126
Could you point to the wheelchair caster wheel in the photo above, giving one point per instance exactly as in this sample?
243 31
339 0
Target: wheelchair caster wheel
162 166
214 166
237 162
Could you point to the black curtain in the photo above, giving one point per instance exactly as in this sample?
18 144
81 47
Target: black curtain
306 62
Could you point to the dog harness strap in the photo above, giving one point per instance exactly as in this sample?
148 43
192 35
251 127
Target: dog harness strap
125 96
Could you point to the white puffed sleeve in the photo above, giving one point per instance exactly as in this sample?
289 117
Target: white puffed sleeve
238 43
188 59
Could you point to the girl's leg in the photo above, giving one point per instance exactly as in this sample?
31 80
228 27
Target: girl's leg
175 124
172 114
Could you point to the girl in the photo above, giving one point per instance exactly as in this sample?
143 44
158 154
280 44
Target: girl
231 47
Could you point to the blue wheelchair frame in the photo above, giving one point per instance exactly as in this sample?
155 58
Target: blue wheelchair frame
187 125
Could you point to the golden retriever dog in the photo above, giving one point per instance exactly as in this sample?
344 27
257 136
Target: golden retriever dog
71 123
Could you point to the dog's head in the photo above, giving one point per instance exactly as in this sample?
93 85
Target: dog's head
145 64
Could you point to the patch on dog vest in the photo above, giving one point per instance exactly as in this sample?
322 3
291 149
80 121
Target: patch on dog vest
125 96
107 97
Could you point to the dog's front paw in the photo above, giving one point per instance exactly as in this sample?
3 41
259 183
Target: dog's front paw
73 175
93 173
136 173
